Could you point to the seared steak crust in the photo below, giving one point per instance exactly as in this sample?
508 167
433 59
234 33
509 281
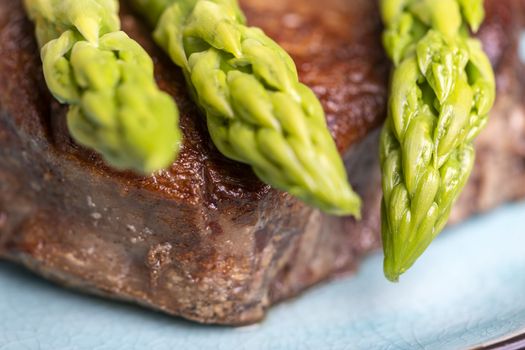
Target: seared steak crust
205 239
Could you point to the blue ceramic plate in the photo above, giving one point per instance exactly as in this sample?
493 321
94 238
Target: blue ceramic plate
467 290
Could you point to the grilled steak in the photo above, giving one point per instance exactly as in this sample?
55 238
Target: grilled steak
205 239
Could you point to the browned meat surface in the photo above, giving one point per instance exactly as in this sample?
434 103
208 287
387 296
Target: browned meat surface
206 240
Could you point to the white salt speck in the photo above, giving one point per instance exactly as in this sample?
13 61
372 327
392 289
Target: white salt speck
132 228
96 216
90 202
292 20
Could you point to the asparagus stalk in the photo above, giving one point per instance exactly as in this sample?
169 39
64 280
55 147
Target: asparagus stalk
257 111
107 80
442 90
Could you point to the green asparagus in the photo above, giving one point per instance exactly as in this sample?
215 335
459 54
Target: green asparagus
107 80
257 111
442 90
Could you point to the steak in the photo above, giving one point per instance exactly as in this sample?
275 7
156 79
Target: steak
205 239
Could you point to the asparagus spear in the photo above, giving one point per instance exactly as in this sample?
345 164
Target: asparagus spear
441 92
107 80
257 111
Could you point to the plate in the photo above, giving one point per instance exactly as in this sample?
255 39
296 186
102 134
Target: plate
467 290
